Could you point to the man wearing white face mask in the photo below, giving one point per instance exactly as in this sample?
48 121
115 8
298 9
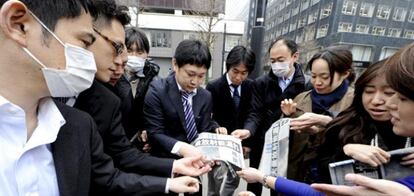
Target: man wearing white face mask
285 80
48 148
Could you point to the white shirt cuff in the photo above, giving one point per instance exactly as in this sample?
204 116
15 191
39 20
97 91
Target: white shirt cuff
167 186
176 149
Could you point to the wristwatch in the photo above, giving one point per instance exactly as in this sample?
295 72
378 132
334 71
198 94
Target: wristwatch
265 180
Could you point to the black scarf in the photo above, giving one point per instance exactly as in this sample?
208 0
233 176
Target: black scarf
322 102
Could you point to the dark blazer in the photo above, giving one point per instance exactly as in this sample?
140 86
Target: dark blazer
82 168
123 90
266 99
104 107
164 114
224 111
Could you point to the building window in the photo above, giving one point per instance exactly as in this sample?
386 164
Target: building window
286 16
409 34
292 26
302 21
299 38
231 41
411 17
383 12
361 53
345 27
189 35
367 9
378 31
322 31
313 2
310 33
313 17
285 29
361 28
394 32
326 10
160 39
304 5
349 7
387 52
295 10
399 14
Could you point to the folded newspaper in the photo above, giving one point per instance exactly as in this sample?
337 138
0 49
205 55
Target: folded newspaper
274 159
391 171
221 147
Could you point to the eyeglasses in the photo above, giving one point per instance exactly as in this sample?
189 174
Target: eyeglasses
119 47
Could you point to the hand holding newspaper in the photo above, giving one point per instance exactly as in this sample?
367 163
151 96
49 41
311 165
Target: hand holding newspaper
221 147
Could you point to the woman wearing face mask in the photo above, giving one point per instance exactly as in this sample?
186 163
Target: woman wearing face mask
366 120
331 71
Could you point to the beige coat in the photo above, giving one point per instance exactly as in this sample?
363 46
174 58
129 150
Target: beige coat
303 145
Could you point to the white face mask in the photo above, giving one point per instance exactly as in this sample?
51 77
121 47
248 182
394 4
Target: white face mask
280 69
135 63
78 75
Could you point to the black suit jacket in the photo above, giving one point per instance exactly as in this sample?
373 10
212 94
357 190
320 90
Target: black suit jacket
164 114
266 99
224 111
104 107
82 168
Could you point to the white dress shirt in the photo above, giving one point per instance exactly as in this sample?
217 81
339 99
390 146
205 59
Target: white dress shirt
26 165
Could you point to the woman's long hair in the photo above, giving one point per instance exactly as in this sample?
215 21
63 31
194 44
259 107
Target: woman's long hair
354 123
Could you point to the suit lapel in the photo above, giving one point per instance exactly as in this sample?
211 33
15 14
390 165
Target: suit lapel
175 97
66 159
225 88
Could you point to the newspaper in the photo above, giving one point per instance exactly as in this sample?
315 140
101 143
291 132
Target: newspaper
274 159
221 147
391 171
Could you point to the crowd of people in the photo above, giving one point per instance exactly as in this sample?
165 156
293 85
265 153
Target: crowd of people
89 114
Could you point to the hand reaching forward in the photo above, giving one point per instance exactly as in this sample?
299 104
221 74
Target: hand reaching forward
366 187
184 184
191 166
241 133
371 155
288 107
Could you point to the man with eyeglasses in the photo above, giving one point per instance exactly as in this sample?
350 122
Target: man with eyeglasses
104 106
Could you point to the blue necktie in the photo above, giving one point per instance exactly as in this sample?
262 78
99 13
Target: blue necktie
190 125
236 96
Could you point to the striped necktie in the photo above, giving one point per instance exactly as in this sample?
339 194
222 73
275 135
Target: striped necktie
236 96
190 125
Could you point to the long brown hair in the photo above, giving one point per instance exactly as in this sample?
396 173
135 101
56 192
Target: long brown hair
354 123
400 71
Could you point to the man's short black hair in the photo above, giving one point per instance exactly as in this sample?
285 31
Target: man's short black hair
108 10
135 36
50 11
292 45
241 55
193 52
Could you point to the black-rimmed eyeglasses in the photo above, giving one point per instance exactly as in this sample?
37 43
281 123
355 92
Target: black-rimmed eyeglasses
119 47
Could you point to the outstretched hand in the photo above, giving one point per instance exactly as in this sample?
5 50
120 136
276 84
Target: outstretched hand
191 166
184 184
366 187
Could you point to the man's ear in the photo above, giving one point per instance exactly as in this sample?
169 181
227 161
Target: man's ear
174 64
14 21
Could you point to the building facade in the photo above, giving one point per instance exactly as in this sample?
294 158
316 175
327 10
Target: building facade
166 23
372 29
